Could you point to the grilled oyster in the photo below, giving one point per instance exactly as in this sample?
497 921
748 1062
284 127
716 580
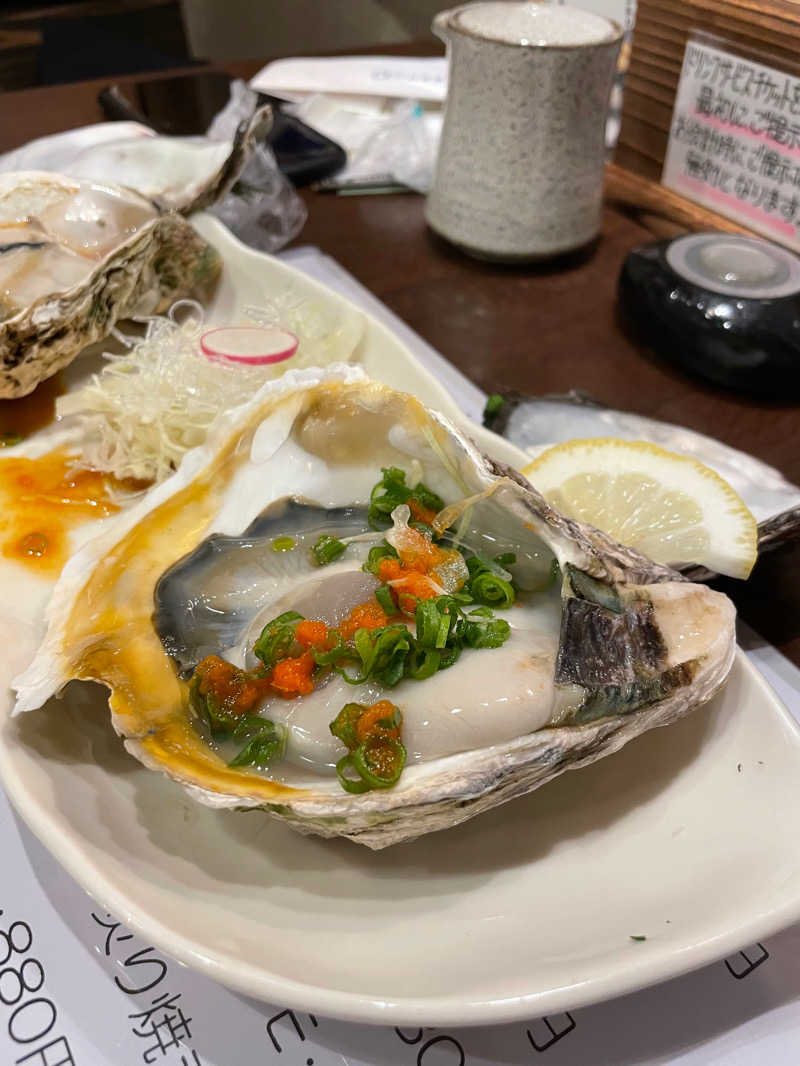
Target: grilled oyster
611 647
77 256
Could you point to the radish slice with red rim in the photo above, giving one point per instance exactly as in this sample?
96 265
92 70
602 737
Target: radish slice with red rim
249 345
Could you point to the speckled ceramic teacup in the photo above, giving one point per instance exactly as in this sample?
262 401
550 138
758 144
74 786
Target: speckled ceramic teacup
520 169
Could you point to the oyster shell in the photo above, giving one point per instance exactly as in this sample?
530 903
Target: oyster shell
620 645
181 173
184 174
75 257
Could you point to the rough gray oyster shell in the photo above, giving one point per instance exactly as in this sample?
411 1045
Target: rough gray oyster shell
638 646
75 258
77 254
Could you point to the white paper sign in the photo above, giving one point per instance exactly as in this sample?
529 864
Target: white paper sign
735 141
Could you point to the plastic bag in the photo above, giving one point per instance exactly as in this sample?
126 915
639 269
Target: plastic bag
262 208
387 141
404 146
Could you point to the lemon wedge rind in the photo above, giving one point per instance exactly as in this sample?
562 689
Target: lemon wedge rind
671 507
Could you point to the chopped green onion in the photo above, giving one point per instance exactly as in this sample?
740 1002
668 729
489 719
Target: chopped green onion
374 762
408 603
277 638
483 630
327 657
379 761
489 582
283 544
493 405
447 656
390 653
248 724
383 595
427 619
440 621
492 591
444 629
382 652
391 491
380 551
479 563
207 706
482 612
394 722
266 745
327 549
355 785
343 726
423 663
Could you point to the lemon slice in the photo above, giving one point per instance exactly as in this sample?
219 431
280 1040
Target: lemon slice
670 507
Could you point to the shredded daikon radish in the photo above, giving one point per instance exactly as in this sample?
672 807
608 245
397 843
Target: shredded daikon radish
153 402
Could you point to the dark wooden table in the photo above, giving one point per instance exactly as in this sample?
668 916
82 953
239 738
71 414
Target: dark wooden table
536 329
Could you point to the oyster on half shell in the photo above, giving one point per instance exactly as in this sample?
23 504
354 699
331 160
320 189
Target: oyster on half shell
614 646
75 258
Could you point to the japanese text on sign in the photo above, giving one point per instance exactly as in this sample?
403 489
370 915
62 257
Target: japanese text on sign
735 141
32 1017
162 1024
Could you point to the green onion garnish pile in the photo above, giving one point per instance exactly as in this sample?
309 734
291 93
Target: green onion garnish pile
443 626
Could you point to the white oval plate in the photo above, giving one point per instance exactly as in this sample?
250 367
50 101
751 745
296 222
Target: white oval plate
685 837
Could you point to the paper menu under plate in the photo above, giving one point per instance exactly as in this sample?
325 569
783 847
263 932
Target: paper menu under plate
77 987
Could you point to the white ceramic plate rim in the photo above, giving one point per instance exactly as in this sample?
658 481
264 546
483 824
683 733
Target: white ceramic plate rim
444 1010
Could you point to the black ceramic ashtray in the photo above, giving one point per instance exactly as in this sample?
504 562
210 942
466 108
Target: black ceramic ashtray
723 306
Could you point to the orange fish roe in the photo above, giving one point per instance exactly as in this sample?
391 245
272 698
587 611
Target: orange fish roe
417 552
368 722
407 584
419 512
311 634
390 570
234 690
369 615
292 677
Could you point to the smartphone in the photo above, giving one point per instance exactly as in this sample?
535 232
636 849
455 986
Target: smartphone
184 106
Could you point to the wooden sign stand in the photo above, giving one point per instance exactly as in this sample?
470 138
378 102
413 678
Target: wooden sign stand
766 30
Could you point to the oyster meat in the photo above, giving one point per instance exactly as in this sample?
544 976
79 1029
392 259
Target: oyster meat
589 645
75 258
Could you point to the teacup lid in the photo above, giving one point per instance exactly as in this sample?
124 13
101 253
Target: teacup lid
531 24
736 266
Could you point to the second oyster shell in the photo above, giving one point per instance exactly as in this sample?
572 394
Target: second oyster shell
75 258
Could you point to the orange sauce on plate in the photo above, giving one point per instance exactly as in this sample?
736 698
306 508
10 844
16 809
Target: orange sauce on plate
42 499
